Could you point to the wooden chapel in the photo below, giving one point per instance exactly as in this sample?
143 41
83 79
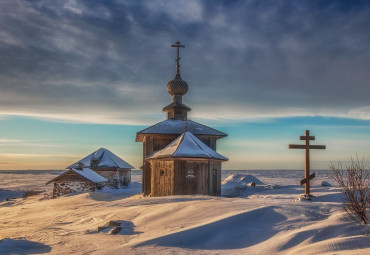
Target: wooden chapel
155 138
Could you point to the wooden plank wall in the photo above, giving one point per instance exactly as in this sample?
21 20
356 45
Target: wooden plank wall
146 173
162 185
189 186
216 178
150 145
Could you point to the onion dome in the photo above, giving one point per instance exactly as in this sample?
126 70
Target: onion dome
177 86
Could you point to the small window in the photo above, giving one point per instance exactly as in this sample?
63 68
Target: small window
94 162
190 173
161 172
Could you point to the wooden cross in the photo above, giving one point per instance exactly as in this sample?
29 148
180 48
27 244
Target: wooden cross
307 147
178 45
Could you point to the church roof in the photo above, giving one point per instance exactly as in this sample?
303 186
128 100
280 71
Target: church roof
187 146
87 173
176 127
102 158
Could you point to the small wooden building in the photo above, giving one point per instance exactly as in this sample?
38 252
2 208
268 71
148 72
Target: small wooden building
184 167
110 166
158 136
77 180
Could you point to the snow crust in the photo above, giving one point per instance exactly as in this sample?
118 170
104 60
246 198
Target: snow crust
267 221
105 159
187 146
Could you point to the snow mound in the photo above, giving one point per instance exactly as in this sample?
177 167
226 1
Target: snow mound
241 179
234 184
326 184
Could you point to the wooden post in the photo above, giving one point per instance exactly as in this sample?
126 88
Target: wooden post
307 147
307 162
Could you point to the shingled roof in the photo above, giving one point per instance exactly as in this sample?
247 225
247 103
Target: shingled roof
187 146
102 158
176 127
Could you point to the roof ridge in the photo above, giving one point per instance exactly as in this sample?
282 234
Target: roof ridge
182 139
195 141
110 154
208 127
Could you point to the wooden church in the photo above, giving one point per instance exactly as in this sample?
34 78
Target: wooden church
194 173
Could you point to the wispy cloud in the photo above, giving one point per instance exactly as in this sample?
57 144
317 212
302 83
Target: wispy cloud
109 62
5 140
36 155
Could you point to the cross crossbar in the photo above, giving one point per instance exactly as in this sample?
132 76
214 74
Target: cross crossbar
319 147
303 181
299 146
304 138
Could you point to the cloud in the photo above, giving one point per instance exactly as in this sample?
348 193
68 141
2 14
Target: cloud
6 140
178 11
109 62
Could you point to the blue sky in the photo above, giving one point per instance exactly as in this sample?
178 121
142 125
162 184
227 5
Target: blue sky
79 75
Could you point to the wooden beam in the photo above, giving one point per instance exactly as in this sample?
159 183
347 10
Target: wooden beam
320 147
304 181
297 146
304 138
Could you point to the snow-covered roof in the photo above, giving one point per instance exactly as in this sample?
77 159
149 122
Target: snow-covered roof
103 158
176 127
90 175
187 146
87 173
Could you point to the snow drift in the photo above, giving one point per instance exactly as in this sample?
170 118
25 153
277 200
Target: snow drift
234 184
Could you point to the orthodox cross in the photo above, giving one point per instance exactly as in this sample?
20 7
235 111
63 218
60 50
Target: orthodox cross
307 147
178 45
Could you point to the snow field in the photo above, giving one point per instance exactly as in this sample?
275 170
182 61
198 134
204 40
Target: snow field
268 221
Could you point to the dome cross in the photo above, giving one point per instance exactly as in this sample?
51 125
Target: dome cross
178 45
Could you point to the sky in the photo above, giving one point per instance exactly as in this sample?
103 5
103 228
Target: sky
79 75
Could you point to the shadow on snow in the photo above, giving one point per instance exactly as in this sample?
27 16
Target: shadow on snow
22 247
238 231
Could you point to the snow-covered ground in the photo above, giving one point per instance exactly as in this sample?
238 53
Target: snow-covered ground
265 219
